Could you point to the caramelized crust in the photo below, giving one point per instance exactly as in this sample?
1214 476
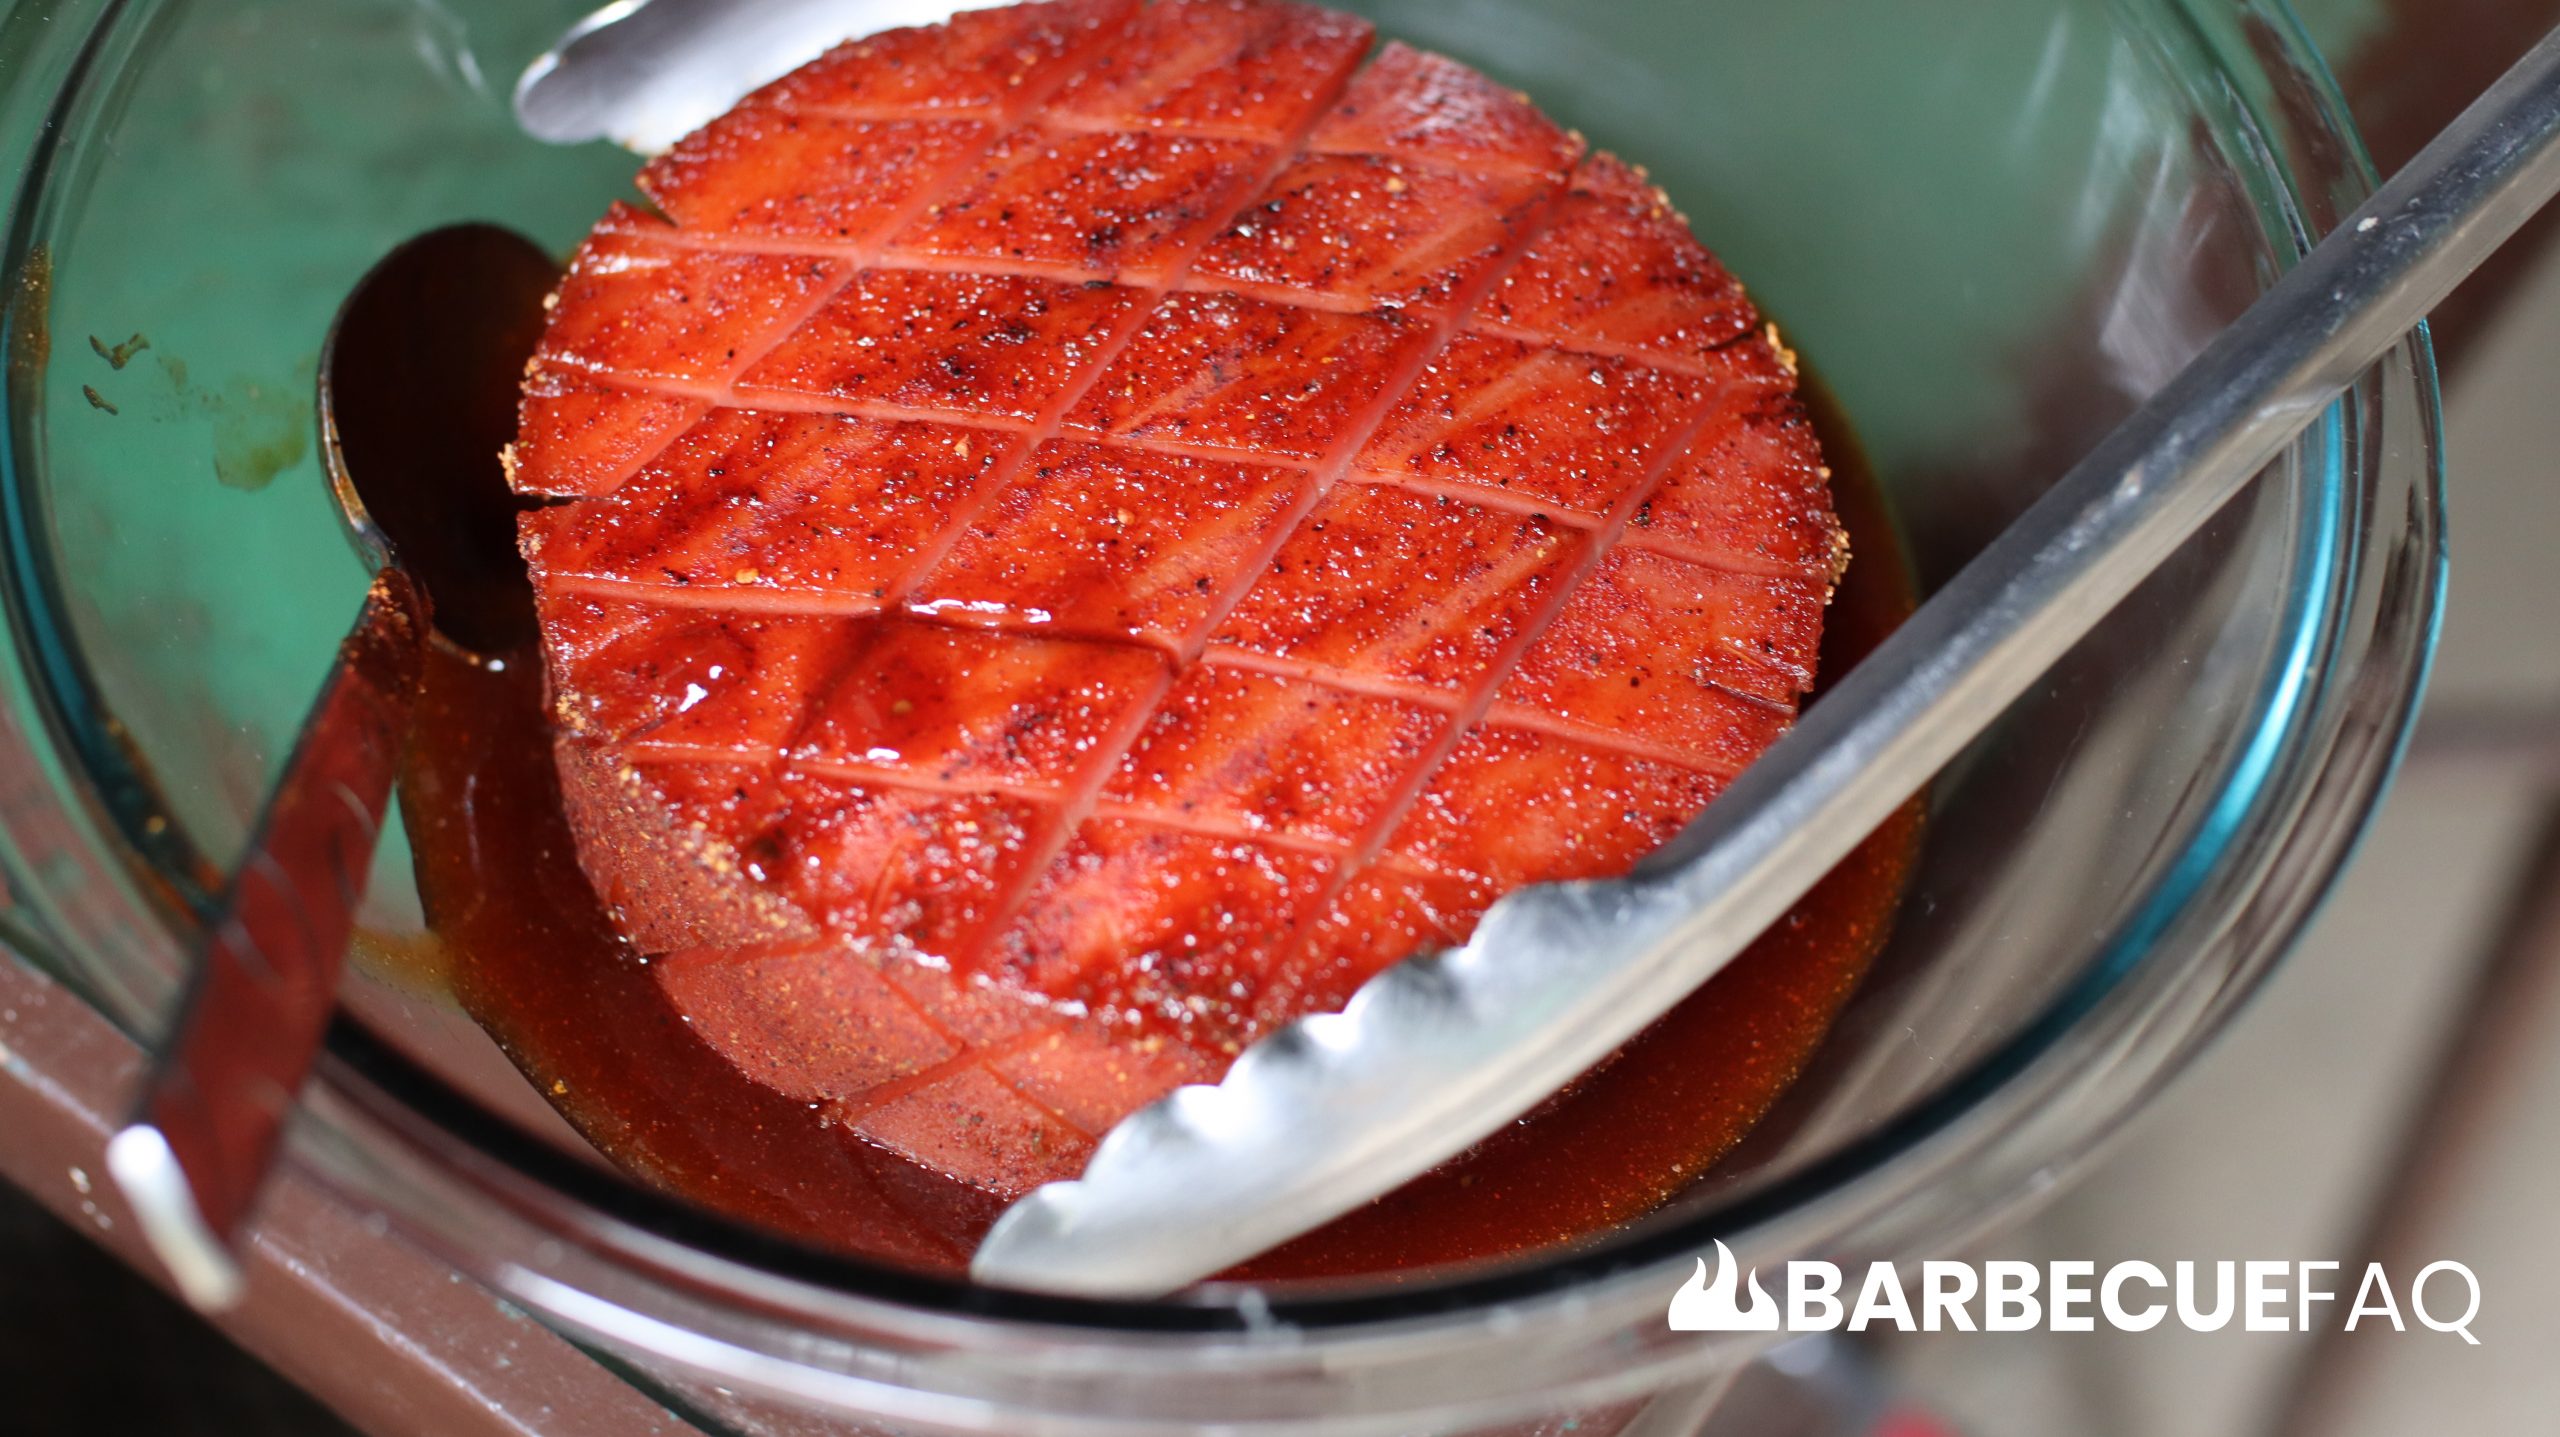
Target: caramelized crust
1098 526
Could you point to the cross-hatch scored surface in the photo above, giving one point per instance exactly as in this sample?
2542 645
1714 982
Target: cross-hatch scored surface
1097 528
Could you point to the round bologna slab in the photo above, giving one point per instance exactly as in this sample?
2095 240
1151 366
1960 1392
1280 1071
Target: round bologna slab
1090 529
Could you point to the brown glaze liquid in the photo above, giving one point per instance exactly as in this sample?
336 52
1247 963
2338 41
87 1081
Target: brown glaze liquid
536 960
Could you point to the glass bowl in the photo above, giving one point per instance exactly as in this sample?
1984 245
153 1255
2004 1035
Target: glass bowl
1993 230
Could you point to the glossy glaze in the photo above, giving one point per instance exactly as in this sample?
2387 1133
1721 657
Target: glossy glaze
523 941
1094 529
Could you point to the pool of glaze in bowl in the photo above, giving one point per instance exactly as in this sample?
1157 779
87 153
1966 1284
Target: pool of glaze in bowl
1998 229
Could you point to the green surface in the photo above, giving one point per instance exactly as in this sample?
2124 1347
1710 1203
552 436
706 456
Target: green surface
1923 194
260 157
2338 27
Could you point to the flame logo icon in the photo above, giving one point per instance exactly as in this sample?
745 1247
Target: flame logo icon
1701 1306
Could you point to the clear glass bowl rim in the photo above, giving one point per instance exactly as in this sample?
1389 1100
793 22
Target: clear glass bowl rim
371 1079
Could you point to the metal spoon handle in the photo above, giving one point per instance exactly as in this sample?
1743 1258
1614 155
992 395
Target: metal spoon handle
1439 1051
216 1102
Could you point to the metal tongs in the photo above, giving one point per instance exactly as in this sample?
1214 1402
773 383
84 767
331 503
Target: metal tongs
1443 1049
1447 1047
